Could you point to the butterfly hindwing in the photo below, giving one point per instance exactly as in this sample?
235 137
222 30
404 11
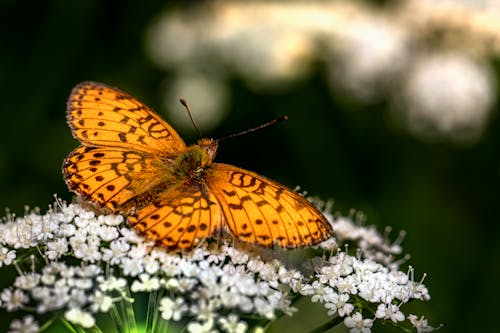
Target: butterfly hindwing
111 176
259 210
180 218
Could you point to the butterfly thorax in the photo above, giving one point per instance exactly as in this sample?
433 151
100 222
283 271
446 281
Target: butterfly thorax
192 162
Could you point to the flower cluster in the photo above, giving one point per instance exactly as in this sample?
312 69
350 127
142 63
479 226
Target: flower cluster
73 262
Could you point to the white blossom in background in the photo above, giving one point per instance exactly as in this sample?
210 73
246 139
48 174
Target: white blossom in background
449 95
369 55
26 325
216 287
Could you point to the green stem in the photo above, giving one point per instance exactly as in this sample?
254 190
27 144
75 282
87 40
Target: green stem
68 326
152 312
162 325
115 316
129 313
47 324
152 301
95 329
75 328
123 314
329 324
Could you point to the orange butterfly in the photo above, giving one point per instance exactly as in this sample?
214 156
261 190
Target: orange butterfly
133 162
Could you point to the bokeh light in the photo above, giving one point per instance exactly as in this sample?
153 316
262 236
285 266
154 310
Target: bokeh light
369 54
206 96
449 96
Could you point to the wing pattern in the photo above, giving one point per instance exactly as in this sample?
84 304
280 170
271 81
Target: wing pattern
104 116
111 176
259 210
180 218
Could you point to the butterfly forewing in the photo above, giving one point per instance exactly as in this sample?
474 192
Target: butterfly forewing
104 116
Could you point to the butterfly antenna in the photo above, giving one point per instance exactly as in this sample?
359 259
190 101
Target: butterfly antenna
269 123
185 104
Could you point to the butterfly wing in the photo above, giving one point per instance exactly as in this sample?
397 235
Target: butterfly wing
112 176
259 210
105 116
180 217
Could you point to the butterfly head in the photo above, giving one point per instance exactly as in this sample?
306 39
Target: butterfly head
209 146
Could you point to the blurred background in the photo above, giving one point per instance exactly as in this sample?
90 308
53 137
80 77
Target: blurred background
392 106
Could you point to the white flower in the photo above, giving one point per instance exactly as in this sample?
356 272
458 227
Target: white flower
421 324
77 298
27 281
117 250
205 309
88 270
130 235
206 327
262 307
101 302
357 324
172 309
80 317
151 265
40 293
52 298
147 283
83 284
132 266
320 292
107 233
13 300
111 283
67 230
27 325
343 308
233 324
43 227
21 233
57 248
6 256
84 219
389 311
110 220
78 239
347 284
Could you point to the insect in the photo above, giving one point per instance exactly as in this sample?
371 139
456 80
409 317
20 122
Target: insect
133 162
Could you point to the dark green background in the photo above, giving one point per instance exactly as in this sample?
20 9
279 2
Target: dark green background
444 196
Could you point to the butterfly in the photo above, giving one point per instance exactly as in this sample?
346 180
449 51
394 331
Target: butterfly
134 163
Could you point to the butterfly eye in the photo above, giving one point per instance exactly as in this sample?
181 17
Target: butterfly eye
210 147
